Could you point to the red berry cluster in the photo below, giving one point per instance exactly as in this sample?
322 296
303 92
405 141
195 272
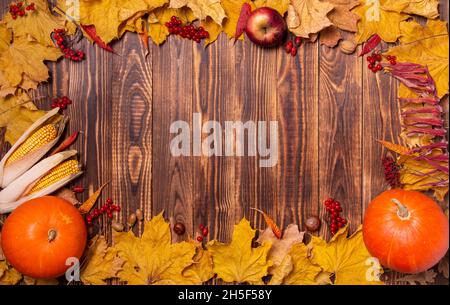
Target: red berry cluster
107 208
291 47
59 35
189 31
19 9
391 172
336 221
392 59
204 231
61 102
373 60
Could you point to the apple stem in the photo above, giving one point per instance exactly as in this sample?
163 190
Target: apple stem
51 235
402 210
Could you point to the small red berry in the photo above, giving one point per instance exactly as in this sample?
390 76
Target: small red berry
201 227
199 238
288 48
294 51
298 41
205 231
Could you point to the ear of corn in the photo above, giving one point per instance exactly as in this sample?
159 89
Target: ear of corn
31 146
46 172
59 172
37 139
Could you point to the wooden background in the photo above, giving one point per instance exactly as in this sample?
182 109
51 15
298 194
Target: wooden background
330 109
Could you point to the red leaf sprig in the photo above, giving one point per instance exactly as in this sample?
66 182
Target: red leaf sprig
421 116
246 11
91 31
370 45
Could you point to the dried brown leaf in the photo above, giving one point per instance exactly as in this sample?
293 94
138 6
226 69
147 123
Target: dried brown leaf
423 278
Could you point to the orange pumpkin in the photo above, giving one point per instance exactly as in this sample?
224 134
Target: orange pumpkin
41 234
406 230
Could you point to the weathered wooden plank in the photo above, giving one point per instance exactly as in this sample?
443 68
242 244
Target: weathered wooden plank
298 118
216 179
340 132
172 185
257 98
131 134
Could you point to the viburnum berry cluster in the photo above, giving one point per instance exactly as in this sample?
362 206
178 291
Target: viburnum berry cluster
107 208
392 59
291 47
336 221
189 31
204 231
391 172
20 9
61 102
60 37
375 59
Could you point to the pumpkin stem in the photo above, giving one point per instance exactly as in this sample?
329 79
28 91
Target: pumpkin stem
402 211
51 235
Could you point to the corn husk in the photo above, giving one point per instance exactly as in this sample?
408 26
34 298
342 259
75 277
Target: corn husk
13 170
16 192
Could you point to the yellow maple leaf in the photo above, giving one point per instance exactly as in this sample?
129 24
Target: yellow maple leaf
202 268
202 8
109 15
280 248
37 24
425 8
158 31
281 6
307 17
376 20
22 62
101 263
303 272
9 275
426 45
342 17
233 10
17 114
213 29
153 259
238 261
135 25
346 258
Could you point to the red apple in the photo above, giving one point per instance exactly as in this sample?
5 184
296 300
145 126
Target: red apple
266 27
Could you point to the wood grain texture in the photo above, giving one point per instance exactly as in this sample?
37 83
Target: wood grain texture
329 107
